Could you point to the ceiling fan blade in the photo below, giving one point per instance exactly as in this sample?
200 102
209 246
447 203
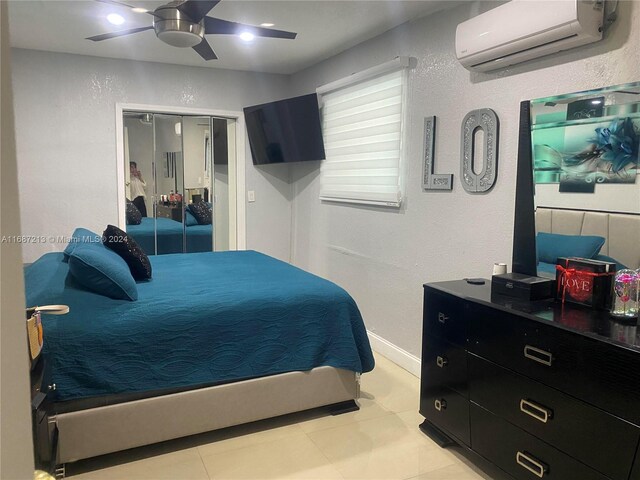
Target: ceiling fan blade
196 10
107 36
205 50
218 26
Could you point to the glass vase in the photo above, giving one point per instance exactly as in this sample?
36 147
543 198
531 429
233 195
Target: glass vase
625 294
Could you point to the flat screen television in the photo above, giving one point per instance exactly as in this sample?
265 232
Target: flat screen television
285 131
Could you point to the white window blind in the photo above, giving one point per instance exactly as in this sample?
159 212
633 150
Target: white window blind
362 127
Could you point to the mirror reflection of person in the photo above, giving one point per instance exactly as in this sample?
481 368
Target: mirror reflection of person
137 188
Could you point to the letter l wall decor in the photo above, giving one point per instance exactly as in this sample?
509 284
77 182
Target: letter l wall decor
430 179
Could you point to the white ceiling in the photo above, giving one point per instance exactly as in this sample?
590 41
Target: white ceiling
324 28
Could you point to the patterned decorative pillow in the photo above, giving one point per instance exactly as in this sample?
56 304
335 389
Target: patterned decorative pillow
134 217
129 250
202 211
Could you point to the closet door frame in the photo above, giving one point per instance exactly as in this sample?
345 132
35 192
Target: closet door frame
240 136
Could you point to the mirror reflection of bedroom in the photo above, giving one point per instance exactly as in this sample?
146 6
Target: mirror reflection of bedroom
178 198
587 198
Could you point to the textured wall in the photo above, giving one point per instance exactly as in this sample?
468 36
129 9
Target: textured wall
382 256
16 456
65 124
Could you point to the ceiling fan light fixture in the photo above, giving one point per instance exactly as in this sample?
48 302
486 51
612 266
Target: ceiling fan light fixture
179 38
139 10
176 29
267 24
115 19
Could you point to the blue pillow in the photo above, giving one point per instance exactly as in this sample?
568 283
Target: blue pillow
103 271
605 258
189 219
550 246
80 236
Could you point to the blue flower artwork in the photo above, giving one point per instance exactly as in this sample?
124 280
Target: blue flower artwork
580 156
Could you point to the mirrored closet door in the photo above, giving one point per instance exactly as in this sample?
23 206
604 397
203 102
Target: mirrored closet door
180 182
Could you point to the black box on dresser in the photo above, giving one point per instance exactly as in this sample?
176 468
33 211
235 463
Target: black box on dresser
529 389
524 287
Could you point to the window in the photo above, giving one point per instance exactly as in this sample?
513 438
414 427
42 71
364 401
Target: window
363 121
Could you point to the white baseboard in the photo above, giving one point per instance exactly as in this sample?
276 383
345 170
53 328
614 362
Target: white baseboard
402 358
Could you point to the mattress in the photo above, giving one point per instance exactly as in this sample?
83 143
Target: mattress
170 236
204 318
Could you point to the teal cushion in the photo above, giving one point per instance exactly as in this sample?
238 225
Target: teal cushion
80 236
103 271
605 258
550 246
189 219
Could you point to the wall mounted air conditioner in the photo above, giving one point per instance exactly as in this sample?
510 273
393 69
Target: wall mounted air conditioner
525 29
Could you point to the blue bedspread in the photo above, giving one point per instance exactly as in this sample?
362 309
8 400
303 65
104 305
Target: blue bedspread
199 238
170 236
203 318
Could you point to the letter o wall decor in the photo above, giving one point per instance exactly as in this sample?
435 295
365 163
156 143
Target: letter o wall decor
486 120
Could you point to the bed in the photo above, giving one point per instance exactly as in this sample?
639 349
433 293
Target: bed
170 235
620 232
213 340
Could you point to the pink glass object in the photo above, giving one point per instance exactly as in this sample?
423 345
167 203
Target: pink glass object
625 294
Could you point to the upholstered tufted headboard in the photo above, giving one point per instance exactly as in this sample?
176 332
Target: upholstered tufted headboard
620 230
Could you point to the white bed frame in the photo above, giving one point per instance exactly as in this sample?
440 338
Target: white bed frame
621 231
97 431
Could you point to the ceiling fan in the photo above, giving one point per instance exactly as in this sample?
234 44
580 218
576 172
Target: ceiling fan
184 23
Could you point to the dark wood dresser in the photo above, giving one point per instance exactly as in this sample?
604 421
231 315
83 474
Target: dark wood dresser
173 212
530 389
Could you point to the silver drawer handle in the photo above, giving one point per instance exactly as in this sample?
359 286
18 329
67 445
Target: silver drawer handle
441 361
529 463
536 411
442 317
537 355
440 404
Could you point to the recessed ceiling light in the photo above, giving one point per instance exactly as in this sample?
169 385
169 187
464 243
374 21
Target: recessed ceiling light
267 24
115 19
247 36
139 10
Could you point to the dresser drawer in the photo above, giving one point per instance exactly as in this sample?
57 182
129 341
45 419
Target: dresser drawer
447 410
520 454
444 365
594 371
443 317
545 353
600 440
610 379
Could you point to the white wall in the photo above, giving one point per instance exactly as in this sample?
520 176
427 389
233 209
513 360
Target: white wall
383 256
16 455
65 124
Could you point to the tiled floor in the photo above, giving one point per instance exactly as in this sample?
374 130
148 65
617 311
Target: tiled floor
380 441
